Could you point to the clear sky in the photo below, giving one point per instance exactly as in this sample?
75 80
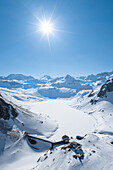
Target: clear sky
85 47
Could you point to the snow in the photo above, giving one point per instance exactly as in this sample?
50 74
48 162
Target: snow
50 108
71 121
54 87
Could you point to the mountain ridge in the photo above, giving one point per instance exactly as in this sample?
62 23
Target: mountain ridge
59 87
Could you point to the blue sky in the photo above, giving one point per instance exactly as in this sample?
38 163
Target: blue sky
86 47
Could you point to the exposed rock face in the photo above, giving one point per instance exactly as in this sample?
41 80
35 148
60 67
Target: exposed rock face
110 86
4 127
107 87
6 110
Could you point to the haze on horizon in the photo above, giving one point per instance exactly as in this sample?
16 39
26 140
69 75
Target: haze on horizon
81 44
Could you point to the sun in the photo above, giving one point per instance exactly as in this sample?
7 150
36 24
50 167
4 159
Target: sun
46 27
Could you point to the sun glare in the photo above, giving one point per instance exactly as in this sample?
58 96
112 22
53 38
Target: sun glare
46 27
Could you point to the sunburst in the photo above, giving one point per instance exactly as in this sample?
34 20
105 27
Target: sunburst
46 27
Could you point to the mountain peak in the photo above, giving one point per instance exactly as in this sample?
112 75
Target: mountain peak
69 78
46 77
19 77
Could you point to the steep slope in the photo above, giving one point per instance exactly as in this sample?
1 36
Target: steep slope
106 88
14 121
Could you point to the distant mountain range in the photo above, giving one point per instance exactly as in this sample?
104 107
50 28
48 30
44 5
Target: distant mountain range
59 87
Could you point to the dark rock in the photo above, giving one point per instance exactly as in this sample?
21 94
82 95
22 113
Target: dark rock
38 160
45 157
91 94
93 151
14 113
79 137
65 138
4 126
110 87
93 101
6 110
107 87
75 156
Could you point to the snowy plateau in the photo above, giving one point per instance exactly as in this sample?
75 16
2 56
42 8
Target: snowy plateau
49 108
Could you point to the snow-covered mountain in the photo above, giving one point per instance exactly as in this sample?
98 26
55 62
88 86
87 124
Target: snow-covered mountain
60 87
49 108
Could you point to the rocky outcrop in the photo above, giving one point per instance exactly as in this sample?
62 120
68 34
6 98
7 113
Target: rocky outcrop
7 111
107 87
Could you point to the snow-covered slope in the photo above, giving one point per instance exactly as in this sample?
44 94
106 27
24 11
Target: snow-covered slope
49 108
14 121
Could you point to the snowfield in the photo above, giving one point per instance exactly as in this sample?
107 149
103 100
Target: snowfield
71 121
50 108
